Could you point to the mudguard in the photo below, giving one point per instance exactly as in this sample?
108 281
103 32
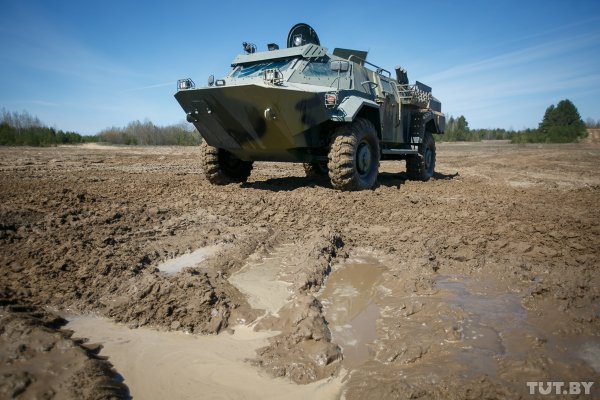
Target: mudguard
350 107
433 121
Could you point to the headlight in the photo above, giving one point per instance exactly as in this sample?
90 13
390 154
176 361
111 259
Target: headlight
331 99
273 76
184 84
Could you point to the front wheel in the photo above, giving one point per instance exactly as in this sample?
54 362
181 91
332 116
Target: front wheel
354 156
422 166
221 167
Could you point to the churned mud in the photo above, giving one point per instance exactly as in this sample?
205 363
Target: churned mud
39 360
467 286
472 332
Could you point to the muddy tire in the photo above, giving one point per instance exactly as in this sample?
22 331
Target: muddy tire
354 156
221 167
422 166
316 169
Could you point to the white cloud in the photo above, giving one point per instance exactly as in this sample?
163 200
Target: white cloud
518 58
517 85
44 103
154 86
40 45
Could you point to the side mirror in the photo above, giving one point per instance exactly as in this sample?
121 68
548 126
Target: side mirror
211 80
339 66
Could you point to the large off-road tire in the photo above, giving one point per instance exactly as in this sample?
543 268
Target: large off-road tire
354 156
316 169
221 167
422 166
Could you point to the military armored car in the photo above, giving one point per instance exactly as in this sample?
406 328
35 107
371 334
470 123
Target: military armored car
336 113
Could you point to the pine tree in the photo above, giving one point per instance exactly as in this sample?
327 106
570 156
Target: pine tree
562 123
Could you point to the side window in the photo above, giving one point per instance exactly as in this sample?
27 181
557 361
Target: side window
317 69
320 68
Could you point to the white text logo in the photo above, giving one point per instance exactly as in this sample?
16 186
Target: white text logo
559 387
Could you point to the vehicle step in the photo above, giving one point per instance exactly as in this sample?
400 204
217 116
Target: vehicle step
399 151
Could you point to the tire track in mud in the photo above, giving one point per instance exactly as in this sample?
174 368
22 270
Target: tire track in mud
303 351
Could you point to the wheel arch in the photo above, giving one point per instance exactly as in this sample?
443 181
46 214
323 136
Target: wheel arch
371 114
434 122
353 107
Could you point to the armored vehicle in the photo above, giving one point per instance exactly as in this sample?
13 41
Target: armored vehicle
335 112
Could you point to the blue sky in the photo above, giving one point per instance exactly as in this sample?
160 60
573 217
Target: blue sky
86 66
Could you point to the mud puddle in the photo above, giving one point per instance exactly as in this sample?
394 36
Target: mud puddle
470 327
351 311
261 280
485 322
162 365
495 326
187 260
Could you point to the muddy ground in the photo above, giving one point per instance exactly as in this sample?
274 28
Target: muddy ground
466 286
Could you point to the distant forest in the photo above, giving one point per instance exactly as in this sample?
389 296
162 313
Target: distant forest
23 129
560 124
147 134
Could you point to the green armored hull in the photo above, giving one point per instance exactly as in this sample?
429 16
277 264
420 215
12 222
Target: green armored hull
336 113
258 122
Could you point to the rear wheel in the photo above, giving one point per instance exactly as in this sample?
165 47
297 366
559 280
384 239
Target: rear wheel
422 166
316 169
354 156
221 167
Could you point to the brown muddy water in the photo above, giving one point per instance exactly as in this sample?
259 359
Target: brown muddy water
465 327
192 259
350 309
159 365
174 365
261 281
469 327
495 331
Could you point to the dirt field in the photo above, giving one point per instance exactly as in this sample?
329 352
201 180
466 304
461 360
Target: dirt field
466 286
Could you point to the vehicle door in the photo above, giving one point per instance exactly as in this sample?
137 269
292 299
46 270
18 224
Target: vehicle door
389 110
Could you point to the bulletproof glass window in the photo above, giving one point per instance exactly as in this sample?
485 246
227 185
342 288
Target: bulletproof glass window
320 68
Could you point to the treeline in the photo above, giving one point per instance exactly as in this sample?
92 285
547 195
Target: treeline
561 124
457 130
147 134
23 129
